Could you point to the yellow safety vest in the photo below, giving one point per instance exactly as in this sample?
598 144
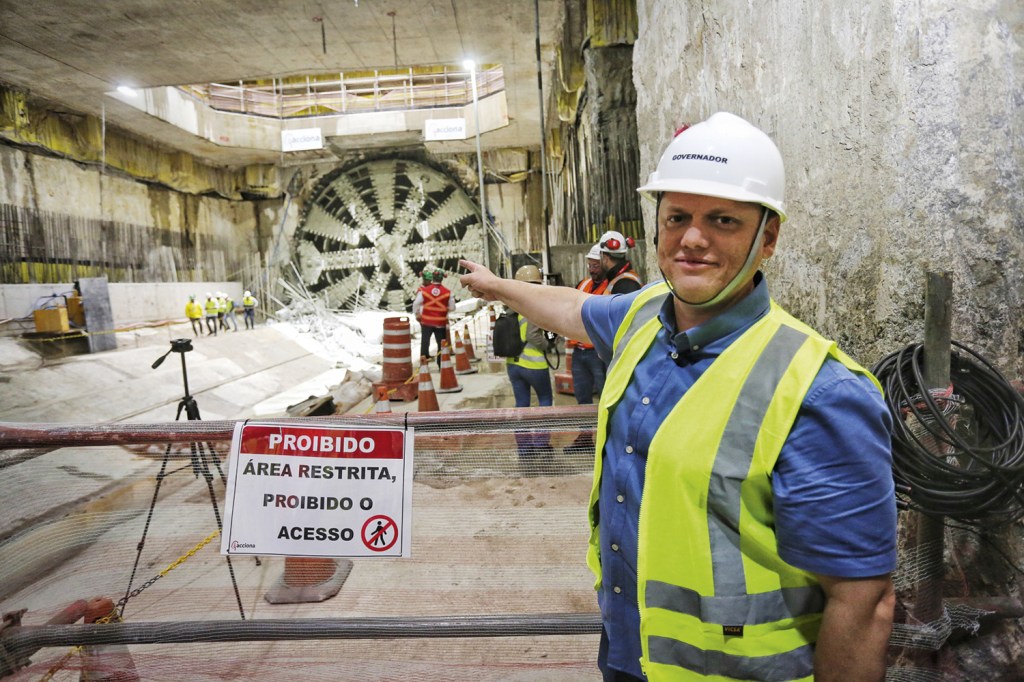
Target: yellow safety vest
211 307
716 601
531 357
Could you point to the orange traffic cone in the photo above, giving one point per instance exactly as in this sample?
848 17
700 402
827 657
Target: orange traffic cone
449 382
428 399
383 402
106 661
308 579
563 380
468 344
462 365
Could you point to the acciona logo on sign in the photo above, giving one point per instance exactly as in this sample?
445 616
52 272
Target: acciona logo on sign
301 140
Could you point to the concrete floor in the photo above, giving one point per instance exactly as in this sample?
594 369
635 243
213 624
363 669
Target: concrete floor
484 543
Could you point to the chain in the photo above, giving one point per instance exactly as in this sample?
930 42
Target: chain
114 613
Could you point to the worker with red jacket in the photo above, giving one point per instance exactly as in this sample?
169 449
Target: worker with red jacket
431 307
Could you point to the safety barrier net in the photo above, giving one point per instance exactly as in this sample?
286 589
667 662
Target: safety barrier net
496 586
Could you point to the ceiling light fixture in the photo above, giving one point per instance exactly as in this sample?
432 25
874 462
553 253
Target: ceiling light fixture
127 90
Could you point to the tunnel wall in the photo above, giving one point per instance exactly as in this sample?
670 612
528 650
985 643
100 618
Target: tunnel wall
64 220
900 124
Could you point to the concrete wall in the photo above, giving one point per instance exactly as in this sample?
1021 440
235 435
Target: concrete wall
900 124
222 234
129 303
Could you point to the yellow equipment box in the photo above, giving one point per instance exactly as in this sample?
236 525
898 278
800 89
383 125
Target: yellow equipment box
51 320
76 313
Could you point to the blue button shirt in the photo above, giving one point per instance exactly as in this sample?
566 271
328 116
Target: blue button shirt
835 511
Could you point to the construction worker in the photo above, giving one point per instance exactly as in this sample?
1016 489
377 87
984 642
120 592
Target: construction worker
249 303
194 313
431 306
529 372
232 312
222 310
766 535
622 278
211 307
587 367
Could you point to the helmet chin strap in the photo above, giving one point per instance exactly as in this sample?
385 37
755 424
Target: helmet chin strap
729 288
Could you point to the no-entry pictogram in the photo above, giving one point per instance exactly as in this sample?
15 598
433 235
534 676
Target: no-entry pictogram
380 533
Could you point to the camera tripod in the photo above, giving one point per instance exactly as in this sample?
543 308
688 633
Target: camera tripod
201 455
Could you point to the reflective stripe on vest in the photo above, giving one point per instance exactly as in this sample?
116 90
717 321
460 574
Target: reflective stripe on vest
628 274
706 607
211 307
531 357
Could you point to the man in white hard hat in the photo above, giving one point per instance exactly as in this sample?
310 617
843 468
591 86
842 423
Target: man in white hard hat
618 270
211 307
764 543
249 303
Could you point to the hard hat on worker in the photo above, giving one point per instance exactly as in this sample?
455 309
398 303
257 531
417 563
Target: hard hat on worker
529 273
247 293
724 157
594 253
615 243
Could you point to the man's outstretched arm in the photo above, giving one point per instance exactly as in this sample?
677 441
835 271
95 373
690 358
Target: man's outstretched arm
557 309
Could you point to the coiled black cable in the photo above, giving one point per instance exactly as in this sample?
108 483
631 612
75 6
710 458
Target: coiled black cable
971 471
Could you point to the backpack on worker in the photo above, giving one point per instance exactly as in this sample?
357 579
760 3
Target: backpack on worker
506 340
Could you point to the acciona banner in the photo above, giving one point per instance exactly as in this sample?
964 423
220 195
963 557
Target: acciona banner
323 491
302 140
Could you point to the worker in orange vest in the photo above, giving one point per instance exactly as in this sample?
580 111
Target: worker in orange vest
588 369
430 308
622 278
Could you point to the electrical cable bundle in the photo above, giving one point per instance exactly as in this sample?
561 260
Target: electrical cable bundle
958 451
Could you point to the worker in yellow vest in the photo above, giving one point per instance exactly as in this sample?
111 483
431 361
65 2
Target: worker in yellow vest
211 307
194 313
249 303
528 372
742 514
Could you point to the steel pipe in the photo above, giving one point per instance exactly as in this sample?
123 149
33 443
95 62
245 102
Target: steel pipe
427 424
19 642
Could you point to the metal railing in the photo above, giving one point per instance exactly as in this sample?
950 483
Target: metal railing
338 94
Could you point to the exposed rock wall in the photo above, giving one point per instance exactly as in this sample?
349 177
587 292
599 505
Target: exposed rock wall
92 223
901 127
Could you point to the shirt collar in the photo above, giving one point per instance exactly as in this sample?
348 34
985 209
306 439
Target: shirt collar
753 306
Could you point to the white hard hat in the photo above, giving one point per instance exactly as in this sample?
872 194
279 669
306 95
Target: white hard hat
615 243
247 293
209 295
725 157
594 253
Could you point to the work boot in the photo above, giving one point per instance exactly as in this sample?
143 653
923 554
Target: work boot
583 445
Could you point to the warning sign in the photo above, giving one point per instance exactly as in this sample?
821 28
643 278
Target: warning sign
321 491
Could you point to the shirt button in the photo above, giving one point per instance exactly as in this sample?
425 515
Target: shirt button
629 449
674 356
620 498
617 590
646 401
615 548
696 348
